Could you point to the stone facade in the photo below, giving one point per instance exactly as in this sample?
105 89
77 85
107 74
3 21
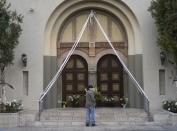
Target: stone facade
39 41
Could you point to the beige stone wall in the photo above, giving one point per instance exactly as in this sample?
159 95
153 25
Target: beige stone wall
122 12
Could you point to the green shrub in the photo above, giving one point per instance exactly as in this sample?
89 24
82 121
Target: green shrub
170 106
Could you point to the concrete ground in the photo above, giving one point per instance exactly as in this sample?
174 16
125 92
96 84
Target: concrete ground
97 128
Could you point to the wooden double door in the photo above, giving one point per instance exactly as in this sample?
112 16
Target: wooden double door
109 78
75 79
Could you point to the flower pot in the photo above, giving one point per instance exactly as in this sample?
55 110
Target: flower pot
124 105
107 104
8 120
75 104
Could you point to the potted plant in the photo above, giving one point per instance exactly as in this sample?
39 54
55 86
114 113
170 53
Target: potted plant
9 113
124 101
63 103
10 107
170 106
109 101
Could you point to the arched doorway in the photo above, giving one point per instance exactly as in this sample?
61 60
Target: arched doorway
75 78
110 78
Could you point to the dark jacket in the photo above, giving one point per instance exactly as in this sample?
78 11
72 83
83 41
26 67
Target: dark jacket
90 100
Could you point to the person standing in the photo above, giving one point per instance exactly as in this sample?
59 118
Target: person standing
90 105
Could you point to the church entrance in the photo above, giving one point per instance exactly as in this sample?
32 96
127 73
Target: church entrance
92 62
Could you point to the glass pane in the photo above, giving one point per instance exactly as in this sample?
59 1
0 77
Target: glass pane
80 76
70 64
115 76
104 87
104 64
116 98
104 76
115 86
114 63
79 64
69 76
69 87
81 87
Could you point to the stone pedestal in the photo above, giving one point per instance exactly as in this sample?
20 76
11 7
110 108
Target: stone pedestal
8 120
165 117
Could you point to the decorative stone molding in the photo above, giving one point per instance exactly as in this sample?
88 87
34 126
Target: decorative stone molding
92 49
117 8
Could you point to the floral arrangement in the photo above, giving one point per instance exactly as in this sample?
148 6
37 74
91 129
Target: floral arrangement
170 106
75 100
10 107
97 94
64 103
124 101
109 101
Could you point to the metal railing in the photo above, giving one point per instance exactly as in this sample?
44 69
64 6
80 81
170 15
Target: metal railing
49 86
146 99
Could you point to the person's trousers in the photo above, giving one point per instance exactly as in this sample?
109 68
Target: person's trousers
90 111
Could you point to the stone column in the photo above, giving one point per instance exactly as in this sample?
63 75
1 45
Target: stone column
135 67
92 73
92 78
50 69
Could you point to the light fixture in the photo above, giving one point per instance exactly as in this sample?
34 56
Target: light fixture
162 57
175 80
31 10
24 59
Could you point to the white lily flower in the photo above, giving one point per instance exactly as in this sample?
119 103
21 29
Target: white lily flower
14 100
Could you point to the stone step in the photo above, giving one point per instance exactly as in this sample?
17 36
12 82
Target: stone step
81 124
101 115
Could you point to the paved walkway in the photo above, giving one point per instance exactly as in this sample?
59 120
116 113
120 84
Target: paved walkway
98 128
